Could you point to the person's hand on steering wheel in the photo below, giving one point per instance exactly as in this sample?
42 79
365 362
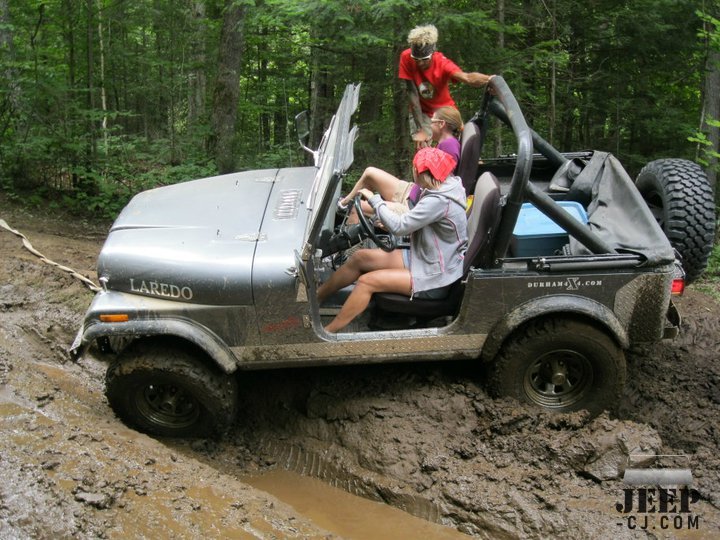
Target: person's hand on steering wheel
385 242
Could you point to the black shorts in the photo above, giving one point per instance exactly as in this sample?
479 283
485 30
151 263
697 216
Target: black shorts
438 293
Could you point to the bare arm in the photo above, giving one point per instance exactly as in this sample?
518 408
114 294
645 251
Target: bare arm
421 120
428 210
472 79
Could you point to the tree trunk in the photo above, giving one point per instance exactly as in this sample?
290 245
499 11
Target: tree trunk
10 92
196 76
501 50
9 74
402 129
227 87
374 63
103 93
321 97
711 108
264 138
92 142
553 78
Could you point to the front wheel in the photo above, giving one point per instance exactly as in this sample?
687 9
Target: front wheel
163 390
561 366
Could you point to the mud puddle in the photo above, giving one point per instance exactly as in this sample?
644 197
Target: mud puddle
346 515
71 470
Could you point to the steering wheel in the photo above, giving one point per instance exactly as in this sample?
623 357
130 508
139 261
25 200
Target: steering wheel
386 242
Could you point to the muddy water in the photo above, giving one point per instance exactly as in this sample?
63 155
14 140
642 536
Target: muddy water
347 515
70 470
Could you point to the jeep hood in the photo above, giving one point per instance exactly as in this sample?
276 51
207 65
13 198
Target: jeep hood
196 241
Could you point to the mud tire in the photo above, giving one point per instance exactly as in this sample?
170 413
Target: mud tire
166 391
588 363
681 199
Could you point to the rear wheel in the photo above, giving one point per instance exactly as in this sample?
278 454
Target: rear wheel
560 365
681 199
162 390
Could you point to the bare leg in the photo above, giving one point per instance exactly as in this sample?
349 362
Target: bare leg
395 280
377 180
375 271
353 217
361 262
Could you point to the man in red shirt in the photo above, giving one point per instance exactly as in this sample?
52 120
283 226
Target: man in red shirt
428 73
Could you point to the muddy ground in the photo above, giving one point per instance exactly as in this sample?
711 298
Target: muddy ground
423 438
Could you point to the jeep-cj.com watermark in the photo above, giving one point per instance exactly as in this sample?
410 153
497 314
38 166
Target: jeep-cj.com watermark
658 498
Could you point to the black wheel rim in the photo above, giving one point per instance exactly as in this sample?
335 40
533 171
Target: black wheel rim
558 379
167 405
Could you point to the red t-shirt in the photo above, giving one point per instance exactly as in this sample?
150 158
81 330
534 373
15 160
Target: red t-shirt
433 83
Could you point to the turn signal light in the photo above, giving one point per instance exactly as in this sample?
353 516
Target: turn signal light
115 317
678 286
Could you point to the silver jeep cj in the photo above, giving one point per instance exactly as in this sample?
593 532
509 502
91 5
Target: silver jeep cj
567 267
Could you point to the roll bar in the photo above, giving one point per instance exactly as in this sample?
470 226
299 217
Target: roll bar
505 107
521 174
541 145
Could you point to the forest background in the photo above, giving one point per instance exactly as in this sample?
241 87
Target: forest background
100 99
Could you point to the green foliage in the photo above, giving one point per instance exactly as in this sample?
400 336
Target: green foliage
709 155
714 262
706 146
96 117
710 281
711 32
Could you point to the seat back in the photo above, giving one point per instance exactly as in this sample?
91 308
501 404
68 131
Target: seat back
470 145
482 221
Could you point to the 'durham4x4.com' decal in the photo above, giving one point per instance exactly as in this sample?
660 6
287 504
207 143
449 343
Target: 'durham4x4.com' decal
569 284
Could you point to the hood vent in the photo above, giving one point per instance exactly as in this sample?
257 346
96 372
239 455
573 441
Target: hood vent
288 204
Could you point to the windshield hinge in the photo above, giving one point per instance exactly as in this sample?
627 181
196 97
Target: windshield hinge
307 252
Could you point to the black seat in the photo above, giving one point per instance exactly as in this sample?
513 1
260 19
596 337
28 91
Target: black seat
470 147
482 222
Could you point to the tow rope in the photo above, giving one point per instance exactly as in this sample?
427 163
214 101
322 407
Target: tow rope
26 243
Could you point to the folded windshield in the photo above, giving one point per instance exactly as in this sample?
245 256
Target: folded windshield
335 157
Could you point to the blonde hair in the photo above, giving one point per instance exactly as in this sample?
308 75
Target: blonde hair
423 35
451 116
426 180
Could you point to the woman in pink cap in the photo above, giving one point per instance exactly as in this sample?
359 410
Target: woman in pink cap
437 226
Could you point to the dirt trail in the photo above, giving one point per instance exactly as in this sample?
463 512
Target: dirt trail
423 438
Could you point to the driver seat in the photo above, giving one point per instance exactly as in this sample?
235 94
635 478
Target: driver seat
482 224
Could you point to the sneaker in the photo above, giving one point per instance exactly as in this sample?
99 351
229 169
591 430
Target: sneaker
342 207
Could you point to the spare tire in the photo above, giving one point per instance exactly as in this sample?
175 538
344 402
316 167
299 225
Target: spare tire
681 199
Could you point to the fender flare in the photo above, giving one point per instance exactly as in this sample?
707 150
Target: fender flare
549 306
183 329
